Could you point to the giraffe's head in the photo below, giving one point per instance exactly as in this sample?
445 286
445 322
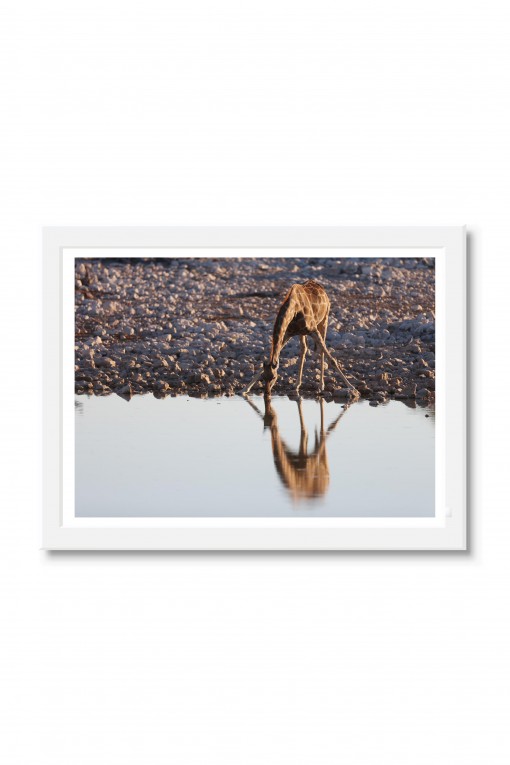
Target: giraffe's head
270 375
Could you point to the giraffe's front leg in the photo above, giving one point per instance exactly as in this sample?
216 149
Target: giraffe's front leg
252 382
304 349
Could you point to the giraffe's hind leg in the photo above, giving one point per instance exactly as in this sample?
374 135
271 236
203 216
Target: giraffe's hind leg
318 338
322 329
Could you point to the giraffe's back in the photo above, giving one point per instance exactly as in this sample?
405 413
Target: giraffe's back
310 307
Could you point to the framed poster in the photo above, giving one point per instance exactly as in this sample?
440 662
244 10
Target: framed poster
254 388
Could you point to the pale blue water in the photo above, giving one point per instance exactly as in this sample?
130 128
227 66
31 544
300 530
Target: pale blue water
214 457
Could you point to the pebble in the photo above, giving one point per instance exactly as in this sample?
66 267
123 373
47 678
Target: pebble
101 361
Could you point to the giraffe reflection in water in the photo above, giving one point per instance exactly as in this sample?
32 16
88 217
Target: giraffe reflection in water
305 475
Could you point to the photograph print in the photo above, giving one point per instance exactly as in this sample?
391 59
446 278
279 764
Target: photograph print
264 387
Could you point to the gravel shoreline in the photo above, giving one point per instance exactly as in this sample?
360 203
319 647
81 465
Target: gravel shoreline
202 327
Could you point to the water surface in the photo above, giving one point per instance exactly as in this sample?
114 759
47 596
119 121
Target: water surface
229 457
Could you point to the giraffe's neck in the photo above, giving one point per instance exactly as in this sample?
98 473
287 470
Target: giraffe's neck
283 320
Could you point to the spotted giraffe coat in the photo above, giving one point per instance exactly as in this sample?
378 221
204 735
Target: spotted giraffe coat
305 309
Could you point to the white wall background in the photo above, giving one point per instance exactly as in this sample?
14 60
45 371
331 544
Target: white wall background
269 113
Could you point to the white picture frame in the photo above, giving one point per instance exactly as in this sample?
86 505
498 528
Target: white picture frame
266 534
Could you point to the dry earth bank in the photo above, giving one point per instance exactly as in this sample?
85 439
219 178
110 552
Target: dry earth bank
202 326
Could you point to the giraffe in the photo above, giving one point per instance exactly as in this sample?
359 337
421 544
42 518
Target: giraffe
304 311
305 476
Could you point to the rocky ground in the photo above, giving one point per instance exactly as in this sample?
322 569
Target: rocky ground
202 326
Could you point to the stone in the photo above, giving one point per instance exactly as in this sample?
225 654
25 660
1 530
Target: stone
126 392
407 392
103 361
341 393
